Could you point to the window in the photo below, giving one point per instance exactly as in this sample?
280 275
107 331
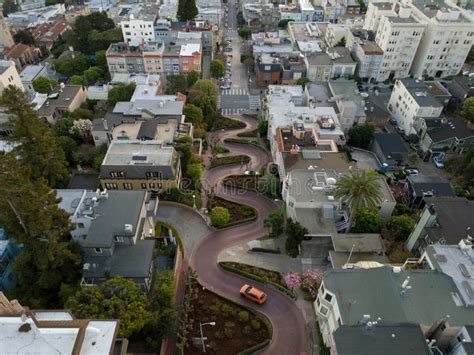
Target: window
151 185
323 310
81 225
143 185
117 174
118 239
98 250
128 186
111 186
328 297
155 174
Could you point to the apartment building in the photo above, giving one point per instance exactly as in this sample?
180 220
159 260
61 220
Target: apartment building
190 58
446 41
410 100
333 9
139 29
335 33
140 165
9 75
66 98
124 59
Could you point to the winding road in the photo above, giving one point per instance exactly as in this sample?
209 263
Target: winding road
289 331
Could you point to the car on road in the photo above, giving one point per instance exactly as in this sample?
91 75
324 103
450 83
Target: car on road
438 162
225 87
413 172
253 294
393 121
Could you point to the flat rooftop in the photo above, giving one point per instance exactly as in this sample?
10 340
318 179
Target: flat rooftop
135 152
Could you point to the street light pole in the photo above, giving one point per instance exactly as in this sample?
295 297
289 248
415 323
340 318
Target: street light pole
202 336
194 201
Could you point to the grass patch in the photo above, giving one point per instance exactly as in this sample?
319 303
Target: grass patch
233 159
229 266
249 134
238 213
219 150
227 123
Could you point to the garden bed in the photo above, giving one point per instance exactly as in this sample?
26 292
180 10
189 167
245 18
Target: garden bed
250 134
227 123
182 196
238 213
266 184
237 328
245 141
232 159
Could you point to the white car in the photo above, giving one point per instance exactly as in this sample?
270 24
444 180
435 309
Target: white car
413 172
438 162
225 87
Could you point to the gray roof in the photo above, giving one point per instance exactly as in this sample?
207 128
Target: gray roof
341 55
129 261
319 59
156 107
135 158
110 216
378 292
402 338
63 101
359 242
437 188
455 127
390 144
420 92
454 215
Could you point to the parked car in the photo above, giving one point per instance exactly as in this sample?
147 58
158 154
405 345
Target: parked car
413 172
400 130
253 294
393 121
438 162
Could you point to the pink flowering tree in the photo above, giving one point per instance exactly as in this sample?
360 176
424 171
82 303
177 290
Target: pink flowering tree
292 280
310 282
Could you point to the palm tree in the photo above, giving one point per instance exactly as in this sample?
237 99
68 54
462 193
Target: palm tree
359 190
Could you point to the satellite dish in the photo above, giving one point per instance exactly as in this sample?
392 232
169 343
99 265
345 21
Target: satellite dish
331 181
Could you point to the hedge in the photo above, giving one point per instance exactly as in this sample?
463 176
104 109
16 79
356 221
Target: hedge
244 141
255 348
247 275
245 220
179 241
249 134
233 159
227 123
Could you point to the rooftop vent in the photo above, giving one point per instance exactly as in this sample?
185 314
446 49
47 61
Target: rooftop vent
128 228
24 328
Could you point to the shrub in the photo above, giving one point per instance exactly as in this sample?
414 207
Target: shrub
256 324
310 282
229 332
246 330
219 217
244 316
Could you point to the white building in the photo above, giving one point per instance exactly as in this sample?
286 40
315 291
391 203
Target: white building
369 58
398 34
411 99
333 9
138 29
335 33
446 40
9 75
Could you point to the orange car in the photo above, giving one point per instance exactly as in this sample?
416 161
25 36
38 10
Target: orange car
253 294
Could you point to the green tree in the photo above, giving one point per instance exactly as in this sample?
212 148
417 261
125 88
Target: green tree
246 56
284 23
193 114
71 66
175 84
359 190
217 68
9 6
468 109
38 148
194 171
203 94
99 41
76 80
295 233
303 82
412 157
342 42
361 135
187 10
192 77
92 75
44 85
29 211
275 222
117 298
206 87
24 36
220 216
121 92
400 227
244 32
184 146
83 27
366 221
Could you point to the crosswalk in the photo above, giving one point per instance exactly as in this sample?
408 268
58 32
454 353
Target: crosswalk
234 92
231 111
254 102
